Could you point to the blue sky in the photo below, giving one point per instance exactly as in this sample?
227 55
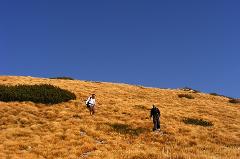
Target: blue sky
166 44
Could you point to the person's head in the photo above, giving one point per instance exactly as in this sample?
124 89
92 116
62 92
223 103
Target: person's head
93 96
154 106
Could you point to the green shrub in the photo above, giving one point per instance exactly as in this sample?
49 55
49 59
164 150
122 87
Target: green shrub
215 94
200 122
43 93
234 101
141 107
190 90
188 96
64 77
126 129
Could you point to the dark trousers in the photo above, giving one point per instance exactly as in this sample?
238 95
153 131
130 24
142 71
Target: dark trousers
156 123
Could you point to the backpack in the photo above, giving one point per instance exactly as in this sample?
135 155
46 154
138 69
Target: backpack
155 112
88 102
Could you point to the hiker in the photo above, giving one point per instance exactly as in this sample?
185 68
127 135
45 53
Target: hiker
155 113
91 102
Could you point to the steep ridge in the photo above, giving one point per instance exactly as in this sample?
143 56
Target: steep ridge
121 127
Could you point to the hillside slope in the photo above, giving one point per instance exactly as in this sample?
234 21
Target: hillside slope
121 128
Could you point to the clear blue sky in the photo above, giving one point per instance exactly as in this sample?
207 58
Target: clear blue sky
166 44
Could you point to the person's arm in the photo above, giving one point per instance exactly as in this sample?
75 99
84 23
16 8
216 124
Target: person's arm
151 114
159 112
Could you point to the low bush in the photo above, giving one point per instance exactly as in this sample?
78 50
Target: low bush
188 96
200 122
126 129
215 94
46 94
141 107
64 77
234 101
190 90
98 82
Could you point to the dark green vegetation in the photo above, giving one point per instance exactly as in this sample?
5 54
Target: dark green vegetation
141 107
234 101
188 96
190 90
127 129
64 77
231 100
46 94
200 122
216 94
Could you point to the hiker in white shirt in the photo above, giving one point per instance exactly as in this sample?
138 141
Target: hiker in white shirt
91 102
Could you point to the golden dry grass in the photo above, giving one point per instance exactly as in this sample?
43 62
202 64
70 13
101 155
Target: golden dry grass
66 130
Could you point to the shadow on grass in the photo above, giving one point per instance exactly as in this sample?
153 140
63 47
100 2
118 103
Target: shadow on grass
127 129
200 122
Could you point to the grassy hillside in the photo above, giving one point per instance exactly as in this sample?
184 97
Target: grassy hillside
121 128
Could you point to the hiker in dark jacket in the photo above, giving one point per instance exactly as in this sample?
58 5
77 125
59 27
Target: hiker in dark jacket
155 113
